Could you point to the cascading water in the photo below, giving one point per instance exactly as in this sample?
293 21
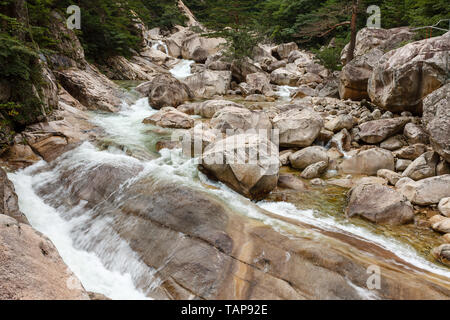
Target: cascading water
182 69
157 43
85 236
103 273
285 92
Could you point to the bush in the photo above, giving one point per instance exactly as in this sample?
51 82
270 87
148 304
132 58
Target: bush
330 57
240 42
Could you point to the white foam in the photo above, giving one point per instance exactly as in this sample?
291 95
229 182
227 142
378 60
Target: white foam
87 266
126 126
285 92
182 69
156 43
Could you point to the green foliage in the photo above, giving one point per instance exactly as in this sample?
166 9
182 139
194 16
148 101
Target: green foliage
22 71
10 108
18 61
218 14
240 42
313 22
330 57
160 13
107 28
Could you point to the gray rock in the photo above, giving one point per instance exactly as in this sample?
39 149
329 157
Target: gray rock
379 204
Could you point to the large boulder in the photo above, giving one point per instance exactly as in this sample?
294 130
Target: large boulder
371 38
423 167
415 134
259 83
379 204
199 48
355 75
285 77
233 120
308 156
283 50
164 90
262 53
298 128
218 62
156 57
443 225
209 83
411 152
426 191
343 121
403 77
368 162
175 42
228 161
242 68
209 108
31 268
376 131
436 117
371 45
169 117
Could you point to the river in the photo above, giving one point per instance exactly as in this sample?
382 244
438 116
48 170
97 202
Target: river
106 263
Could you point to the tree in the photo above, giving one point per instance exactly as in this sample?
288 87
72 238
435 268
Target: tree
351 47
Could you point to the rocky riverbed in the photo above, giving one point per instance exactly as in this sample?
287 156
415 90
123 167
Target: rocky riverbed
114 205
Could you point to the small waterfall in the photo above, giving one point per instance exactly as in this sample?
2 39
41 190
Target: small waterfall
182 69
156 43
111 267
285 92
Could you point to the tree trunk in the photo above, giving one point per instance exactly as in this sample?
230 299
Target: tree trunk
351 47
